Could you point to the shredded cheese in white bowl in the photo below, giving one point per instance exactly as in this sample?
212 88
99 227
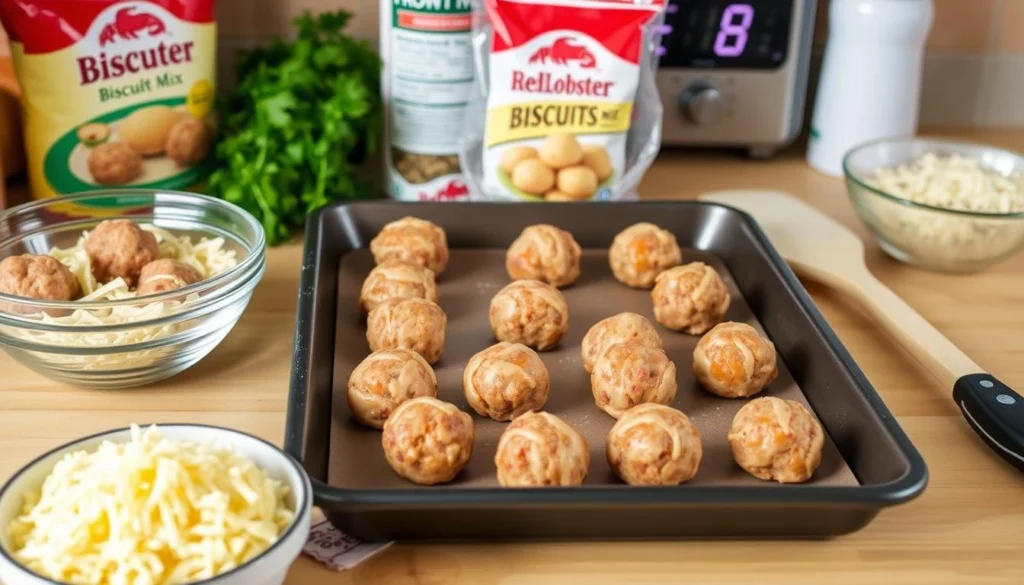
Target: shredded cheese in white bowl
165 506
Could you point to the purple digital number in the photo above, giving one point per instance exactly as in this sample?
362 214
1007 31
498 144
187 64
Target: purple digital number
732 37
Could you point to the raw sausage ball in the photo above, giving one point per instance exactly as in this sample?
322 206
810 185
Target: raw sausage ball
778 439
653 444
118 248
408 323
114 163
597 159
560 150
532 176
189 141
545 253
393 279
691 298
530 312
515 155
628 374
620 328
428 441
386 379
641 252
165 274
505 381
412 240
38 277
539 449
577 181
733 360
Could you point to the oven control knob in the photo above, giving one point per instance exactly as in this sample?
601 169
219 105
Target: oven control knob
702 103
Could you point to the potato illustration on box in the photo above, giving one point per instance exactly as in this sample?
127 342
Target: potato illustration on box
118 93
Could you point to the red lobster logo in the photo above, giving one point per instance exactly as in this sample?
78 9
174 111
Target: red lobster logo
562 51
128 25
455 189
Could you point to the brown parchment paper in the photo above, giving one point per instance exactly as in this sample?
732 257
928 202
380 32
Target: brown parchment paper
356 460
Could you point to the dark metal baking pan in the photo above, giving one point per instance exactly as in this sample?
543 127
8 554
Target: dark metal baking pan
868 462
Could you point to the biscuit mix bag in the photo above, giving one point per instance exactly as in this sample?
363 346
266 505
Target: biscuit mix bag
565 106
116 93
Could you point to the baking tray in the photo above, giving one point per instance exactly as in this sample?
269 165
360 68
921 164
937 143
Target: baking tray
868 463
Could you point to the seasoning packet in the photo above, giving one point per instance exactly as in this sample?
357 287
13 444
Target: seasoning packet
565 106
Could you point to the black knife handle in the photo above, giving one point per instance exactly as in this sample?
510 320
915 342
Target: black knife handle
995 412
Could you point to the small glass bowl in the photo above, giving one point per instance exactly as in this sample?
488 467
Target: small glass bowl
933 238
98 355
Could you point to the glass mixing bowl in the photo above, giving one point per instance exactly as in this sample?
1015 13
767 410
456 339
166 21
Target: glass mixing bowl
170 335
934 238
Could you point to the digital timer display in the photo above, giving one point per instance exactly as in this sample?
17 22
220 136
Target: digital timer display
739 34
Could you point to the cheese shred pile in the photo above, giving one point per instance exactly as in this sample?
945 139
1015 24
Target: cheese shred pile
950 182
149 512
208 255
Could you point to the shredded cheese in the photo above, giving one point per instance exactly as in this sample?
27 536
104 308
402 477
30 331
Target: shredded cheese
149 512
955 183
208 256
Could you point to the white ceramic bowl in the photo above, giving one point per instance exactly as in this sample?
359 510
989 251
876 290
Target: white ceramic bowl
269 568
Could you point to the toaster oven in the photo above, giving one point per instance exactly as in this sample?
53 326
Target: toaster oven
733 73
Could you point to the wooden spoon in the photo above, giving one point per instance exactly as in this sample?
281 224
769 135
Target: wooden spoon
821 249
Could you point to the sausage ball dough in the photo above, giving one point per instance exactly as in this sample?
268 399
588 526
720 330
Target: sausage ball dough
620 328
778 439
628 374
118 248
653 444
530 312
734 361
539 449
408 323
393 279
386 379
505 381
428 441
642 251
545 253
37 277
165 274
691 298
412 240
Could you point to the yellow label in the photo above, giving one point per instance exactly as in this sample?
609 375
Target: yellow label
200 98
523 121
109 88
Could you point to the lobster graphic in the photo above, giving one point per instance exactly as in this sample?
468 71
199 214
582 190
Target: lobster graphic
455 189
127 25
562 51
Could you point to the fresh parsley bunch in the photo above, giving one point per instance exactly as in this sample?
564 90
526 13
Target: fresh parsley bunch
302 118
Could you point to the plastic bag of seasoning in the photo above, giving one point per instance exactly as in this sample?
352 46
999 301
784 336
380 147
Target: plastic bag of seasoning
116 93
565 106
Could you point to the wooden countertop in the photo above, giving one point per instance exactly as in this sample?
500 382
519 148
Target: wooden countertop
968 527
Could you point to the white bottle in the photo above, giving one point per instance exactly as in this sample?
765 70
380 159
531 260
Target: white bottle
870 83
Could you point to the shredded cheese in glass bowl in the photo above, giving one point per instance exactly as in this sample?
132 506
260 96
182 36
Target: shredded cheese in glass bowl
947 206
166 505
109 337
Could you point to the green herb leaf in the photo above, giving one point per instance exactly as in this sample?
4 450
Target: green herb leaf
301 118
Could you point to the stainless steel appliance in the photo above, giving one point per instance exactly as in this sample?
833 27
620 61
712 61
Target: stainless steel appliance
733 73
